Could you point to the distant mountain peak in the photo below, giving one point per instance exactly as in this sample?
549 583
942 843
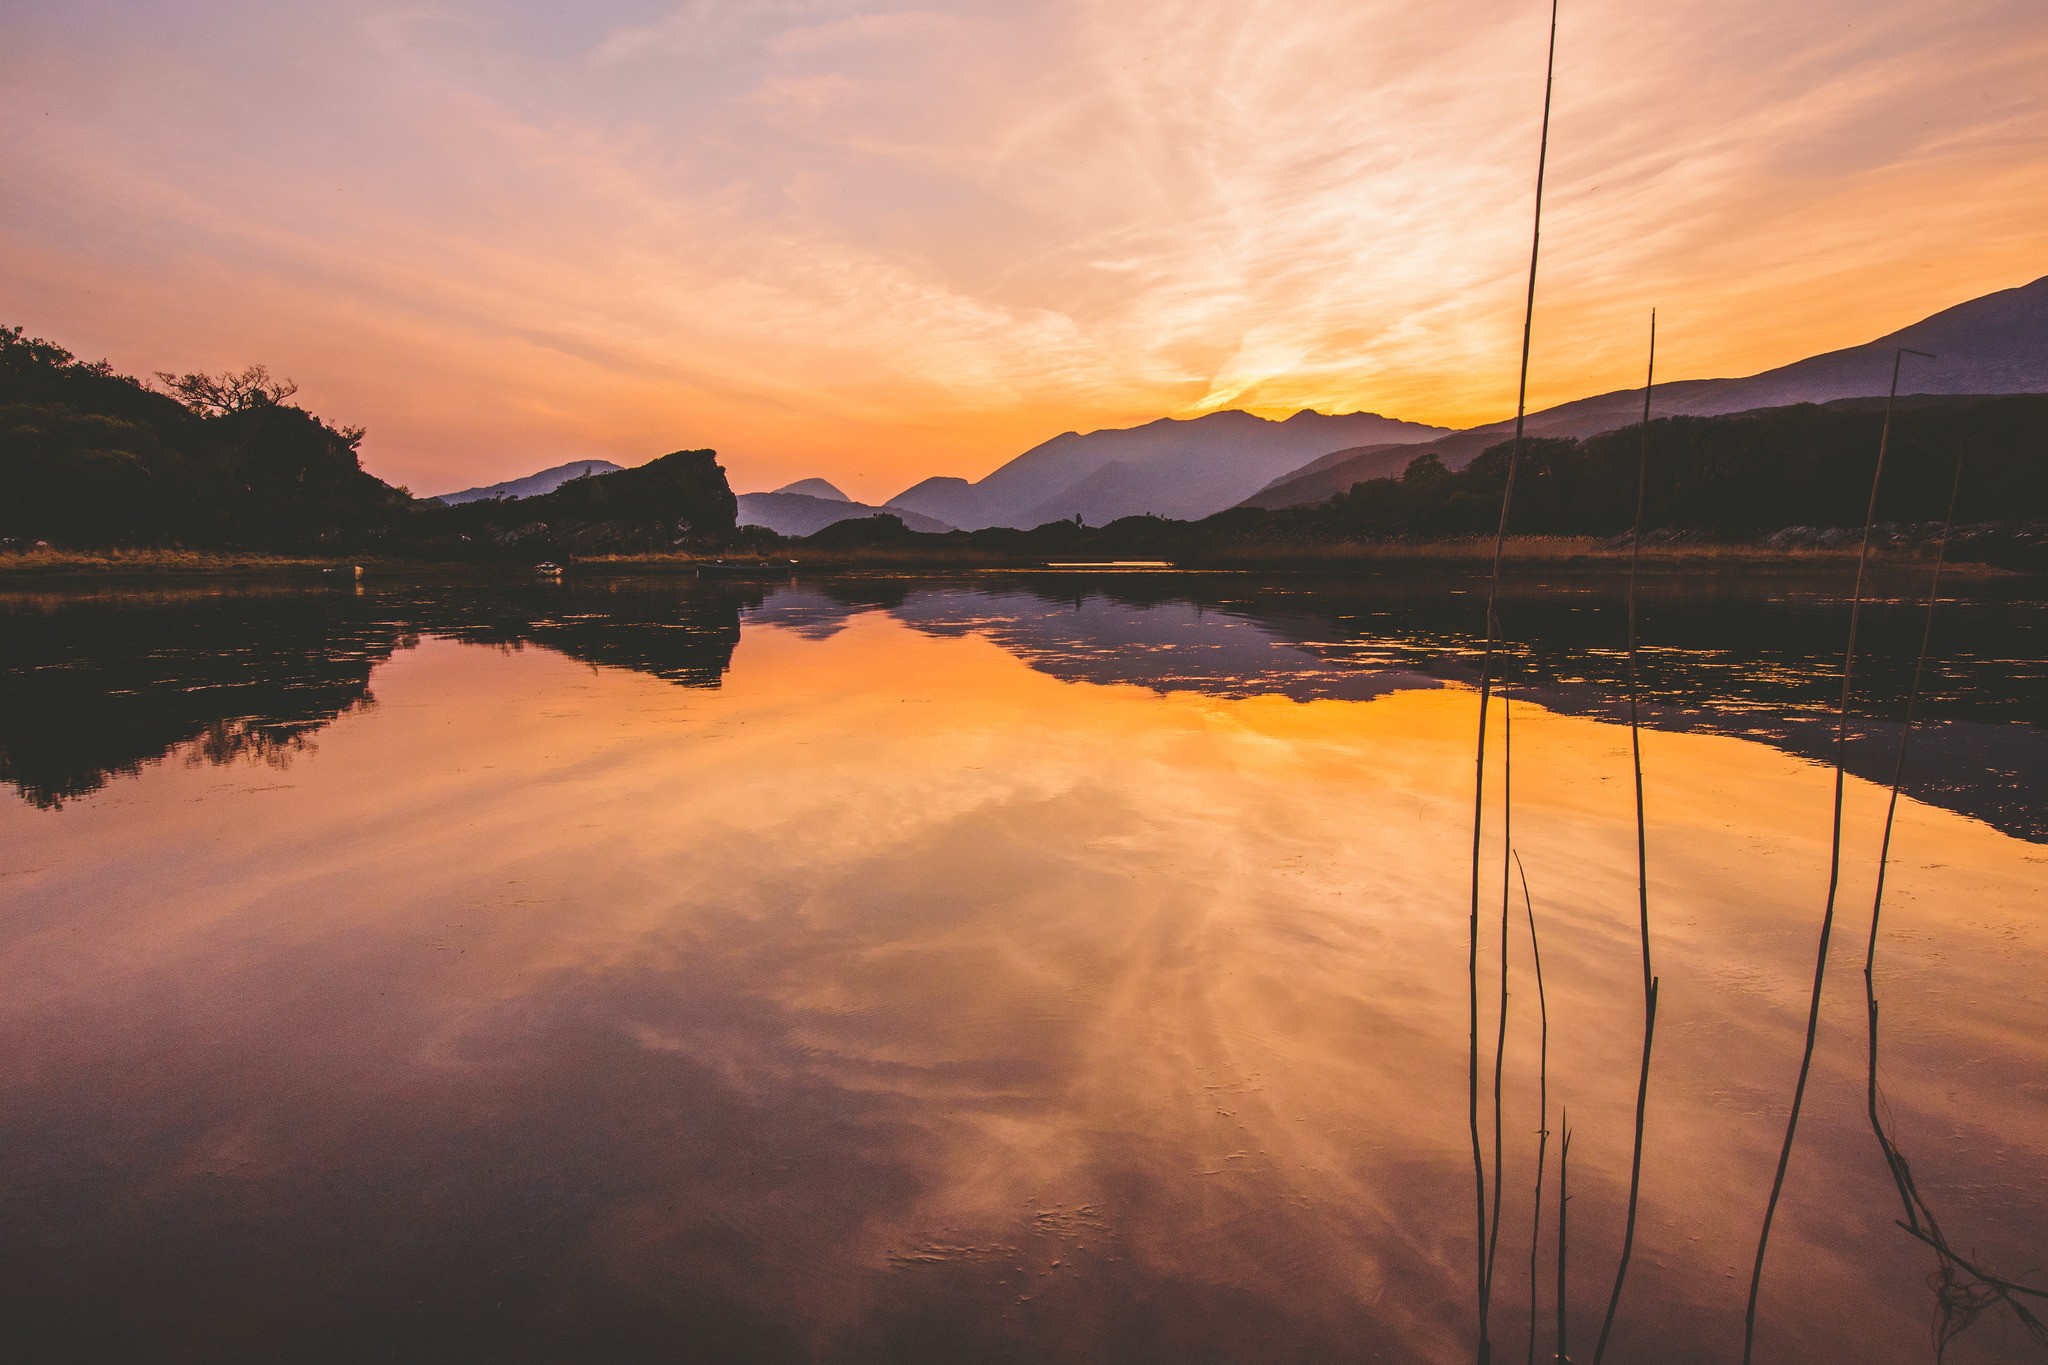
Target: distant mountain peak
793 512
1180 467
814 488
532 485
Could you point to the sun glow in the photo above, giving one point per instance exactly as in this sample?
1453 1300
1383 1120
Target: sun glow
877 243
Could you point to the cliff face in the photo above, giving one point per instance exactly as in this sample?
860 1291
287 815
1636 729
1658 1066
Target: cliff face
677 501
686 489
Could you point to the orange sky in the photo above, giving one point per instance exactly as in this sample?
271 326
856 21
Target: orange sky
878 242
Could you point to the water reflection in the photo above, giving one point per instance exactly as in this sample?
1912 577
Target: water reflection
95 685
971 974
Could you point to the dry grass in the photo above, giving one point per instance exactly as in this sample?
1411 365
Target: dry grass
1554 553
65 562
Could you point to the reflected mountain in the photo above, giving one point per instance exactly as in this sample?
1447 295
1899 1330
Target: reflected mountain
1758 661
102 685
99 684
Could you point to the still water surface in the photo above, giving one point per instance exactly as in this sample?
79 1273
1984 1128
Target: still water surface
1037 969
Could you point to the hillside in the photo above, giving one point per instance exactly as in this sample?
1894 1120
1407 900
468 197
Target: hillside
1990 345
1179 468
1782 479
93 458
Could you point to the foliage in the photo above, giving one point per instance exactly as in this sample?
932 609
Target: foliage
1736 477
93 458
214 395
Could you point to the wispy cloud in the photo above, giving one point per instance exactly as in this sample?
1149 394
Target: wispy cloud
878 241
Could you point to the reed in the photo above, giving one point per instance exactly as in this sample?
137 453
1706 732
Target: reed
1485 1285
1500 1041
1635 748
1564 1158
1827 923
1542 1100
1962 1288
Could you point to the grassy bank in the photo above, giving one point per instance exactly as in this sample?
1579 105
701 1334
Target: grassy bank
1466 554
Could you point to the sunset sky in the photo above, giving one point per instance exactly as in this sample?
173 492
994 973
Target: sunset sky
875 242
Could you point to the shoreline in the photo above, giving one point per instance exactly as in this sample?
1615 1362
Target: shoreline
1550 554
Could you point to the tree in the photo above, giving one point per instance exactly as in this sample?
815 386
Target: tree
215 395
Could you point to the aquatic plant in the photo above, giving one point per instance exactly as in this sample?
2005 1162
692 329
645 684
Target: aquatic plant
1827 923
1963 1289
1483 1246
1542 1099
1635 748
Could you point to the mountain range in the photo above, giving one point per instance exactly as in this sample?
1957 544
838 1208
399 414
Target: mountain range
808 506
1188 469
1991 345
1184 469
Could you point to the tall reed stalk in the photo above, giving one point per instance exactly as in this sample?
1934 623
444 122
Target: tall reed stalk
1635 748
1500 1041
1827 922
1962 1289
1485 1285
1542 1101
1564 1161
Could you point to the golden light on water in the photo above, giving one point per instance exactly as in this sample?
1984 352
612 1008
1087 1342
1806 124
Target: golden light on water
894 966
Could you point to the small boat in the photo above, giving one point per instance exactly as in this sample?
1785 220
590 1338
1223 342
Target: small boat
547 570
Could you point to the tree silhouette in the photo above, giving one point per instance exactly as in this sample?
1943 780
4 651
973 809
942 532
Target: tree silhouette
215 395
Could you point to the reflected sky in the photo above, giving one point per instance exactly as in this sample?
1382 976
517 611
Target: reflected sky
858 984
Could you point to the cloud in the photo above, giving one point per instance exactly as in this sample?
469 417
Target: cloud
879 241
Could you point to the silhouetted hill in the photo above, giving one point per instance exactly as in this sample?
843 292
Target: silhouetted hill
1185 469
93 458
1996 344
1782 478
797 514
677 501
533 485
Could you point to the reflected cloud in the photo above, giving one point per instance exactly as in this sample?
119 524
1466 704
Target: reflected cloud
899 999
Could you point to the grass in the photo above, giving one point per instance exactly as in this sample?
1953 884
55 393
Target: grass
1567 554
63 562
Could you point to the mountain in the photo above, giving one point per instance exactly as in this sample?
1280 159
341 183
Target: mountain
1180 468
790 513
533 485
1991 345
814 488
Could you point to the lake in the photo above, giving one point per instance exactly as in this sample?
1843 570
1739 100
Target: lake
1030 967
